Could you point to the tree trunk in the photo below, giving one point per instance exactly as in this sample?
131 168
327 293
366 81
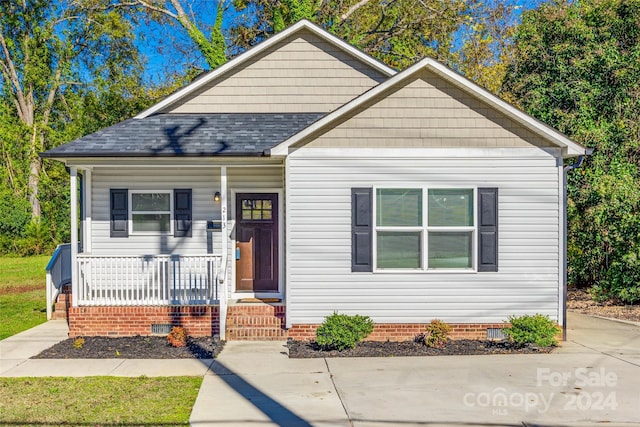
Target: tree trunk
35 166
34 182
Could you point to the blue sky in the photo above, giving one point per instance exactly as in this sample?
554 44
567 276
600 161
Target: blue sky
168 50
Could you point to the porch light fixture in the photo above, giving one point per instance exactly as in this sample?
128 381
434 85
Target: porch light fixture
216 197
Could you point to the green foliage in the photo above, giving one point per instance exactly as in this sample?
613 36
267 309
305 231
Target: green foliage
384 29
436 334
219 54
57 53
536 329
14 215
577 67
341 331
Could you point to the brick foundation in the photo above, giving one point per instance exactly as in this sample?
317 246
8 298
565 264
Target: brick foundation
402 331
199 321
244 322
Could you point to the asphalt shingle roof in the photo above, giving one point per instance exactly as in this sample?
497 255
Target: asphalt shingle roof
223 134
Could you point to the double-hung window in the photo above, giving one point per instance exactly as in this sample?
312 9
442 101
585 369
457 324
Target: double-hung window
451 228
425 228
151 212
399 229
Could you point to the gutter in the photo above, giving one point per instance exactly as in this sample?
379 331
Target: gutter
566 170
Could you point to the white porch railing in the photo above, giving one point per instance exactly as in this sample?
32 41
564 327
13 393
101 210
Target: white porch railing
147 280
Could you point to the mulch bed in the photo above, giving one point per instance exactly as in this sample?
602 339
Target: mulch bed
133 348
304 349
580 301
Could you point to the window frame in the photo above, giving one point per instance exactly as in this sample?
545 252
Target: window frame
424 230
131 213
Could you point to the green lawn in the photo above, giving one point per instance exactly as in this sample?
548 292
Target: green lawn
97 401
22 293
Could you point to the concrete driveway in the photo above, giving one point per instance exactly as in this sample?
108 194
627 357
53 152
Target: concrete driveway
594 379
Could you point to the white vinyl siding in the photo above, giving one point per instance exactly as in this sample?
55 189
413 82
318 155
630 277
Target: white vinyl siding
319 183
203 182
300 74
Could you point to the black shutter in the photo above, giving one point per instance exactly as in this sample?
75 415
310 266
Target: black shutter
361 229
119 218
487 229
182 213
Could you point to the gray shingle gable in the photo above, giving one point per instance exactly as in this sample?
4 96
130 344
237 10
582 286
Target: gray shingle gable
175 135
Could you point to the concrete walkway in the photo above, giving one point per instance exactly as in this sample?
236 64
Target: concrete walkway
592 379
15 352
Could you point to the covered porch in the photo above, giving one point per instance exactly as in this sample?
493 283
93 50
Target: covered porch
164 272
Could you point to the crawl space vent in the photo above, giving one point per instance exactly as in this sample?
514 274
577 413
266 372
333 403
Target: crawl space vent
159 329
495 334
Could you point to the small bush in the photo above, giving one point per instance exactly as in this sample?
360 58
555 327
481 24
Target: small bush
436 334
536 329
78 343
341 331
177 337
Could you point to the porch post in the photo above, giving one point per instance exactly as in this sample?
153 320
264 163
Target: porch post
73 185
86 245
222 292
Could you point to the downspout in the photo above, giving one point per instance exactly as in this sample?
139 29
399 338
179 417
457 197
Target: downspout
566 170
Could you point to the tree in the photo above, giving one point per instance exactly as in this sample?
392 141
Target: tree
49 53
471 36
213 49
577 67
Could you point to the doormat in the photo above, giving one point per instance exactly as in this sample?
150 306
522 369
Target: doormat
260 300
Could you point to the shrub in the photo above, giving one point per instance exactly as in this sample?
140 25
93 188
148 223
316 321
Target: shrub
436 334
536 329
78 343
341 331
177 337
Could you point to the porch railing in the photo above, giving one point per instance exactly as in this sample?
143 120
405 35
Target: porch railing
147 280
58 274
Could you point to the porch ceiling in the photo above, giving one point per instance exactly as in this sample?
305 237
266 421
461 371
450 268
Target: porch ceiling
188 135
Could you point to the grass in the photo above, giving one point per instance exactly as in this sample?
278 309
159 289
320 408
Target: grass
104 401
22 293
17 272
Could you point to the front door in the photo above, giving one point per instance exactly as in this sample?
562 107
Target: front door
256 242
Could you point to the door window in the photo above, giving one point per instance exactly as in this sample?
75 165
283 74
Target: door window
257 210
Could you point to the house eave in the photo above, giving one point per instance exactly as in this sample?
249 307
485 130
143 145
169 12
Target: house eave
102 155
170 162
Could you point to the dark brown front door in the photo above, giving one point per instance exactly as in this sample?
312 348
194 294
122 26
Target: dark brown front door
257 242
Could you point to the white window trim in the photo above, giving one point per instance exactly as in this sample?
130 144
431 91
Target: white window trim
150 233
424 231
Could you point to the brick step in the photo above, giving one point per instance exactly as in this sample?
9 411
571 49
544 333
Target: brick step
59 315
255 321
257 310
256 334
63 302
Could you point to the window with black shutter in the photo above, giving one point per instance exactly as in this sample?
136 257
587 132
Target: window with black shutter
487 229
182 213
361 229
118 218
424 229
